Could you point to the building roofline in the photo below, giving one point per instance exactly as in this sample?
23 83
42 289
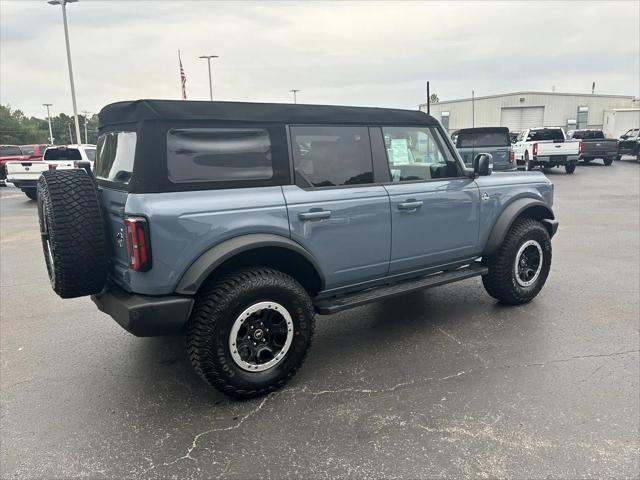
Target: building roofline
631 97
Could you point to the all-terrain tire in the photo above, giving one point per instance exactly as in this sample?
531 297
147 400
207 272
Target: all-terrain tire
570 168
608 161
219 304
72 231
32 193
501 282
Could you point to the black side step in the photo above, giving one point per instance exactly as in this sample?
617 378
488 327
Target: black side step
328 306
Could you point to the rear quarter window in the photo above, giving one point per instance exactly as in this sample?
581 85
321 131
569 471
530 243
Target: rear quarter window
218 155
114 157
27 150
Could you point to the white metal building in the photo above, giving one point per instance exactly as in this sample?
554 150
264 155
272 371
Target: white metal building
521 110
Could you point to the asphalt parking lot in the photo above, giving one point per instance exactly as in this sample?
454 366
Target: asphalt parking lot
442 383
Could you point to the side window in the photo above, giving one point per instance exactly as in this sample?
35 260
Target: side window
27 150
114 156
520 137
218 154
331 156
418 153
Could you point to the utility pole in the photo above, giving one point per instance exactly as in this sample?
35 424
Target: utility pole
86 138
295 91
63 4
49 120
473 109
209 57
428 100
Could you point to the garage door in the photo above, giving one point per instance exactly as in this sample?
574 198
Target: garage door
519 118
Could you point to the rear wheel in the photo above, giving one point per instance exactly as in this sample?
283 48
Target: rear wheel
72 232
249 331
32 193
520 267
608 161
570 167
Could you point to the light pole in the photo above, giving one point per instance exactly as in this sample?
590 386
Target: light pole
70 136
63 4
294 91
49 119
209 57
86 138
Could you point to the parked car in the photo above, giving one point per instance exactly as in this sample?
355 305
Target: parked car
25 174
493 140
8 153
34 152
546 148
236 222
594 145
629 143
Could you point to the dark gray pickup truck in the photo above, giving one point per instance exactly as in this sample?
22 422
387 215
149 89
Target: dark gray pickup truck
594 145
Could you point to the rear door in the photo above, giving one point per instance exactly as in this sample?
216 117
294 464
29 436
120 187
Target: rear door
335 210
113 167
434 207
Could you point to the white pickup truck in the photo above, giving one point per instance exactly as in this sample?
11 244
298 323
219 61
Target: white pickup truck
25 174
546 147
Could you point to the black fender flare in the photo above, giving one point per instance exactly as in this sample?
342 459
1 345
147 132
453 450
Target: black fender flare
206 263
509 215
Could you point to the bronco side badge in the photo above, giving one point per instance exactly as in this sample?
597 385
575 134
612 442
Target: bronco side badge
485 196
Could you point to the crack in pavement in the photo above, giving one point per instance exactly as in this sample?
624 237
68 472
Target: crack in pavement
368 391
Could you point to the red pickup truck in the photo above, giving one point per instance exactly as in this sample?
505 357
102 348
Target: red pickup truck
33 152
9 153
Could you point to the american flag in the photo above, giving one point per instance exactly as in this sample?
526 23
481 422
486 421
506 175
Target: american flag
183 79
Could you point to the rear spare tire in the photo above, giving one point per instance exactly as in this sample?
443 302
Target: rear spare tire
72 231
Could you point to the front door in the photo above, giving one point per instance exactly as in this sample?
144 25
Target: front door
334 210
434 206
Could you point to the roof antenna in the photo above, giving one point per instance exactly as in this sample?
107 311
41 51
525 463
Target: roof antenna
428 100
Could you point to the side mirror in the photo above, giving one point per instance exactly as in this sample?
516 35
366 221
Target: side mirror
481 164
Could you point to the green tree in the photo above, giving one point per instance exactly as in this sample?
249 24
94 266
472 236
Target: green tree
433 98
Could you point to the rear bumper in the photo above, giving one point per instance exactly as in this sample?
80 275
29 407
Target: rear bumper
23 183
554 160
609 154
144 315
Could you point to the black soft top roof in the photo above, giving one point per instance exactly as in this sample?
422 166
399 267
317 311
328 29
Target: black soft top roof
141 110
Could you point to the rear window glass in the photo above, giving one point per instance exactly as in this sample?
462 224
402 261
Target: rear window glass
114 156
62 153
546 134
586 134
483 139
218 154
327 156
10 151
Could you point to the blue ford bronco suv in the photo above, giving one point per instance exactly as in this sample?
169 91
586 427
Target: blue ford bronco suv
237 222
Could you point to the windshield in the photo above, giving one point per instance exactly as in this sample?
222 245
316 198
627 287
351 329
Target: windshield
632 133
10 151
62 153
481 138
545 134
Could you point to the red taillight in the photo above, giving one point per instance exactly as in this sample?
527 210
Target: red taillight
512 156
580 147
52 166
137 242
535 149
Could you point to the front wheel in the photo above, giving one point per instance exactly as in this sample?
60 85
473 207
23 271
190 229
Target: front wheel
520 267
570 168
249 331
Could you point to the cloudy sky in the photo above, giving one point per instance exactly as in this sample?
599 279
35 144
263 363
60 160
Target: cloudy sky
375 54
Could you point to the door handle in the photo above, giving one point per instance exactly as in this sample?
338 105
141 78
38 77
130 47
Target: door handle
315 215
410 205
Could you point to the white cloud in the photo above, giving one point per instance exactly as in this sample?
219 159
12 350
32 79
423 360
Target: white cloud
342 53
